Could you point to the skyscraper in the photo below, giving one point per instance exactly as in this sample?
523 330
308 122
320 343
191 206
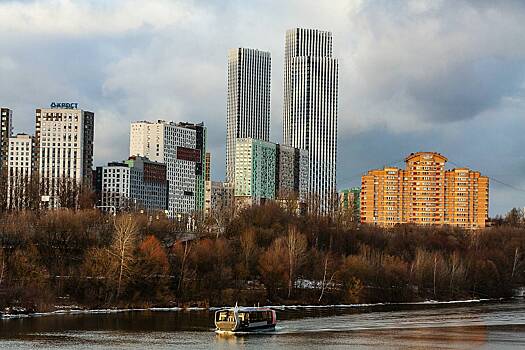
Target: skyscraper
310 107
6 131
182 147
248 107
63 146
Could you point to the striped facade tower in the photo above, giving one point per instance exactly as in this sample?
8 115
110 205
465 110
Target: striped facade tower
248 107
310 108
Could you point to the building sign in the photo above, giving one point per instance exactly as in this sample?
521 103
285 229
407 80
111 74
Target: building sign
65 105
190 154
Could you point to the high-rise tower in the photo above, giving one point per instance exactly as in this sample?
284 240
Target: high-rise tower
6 131
248 109
63 148
310 107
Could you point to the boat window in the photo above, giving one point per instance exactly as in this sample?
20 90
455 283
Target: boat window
258 316
224 316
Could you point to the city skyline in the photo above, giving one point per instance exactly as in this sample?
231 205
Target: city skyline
441 83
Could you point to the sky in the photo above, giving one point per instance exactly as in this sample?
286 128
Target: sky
442 76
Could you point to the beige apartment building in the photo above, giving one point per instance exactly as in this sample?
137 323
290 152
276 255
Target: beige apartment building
424 193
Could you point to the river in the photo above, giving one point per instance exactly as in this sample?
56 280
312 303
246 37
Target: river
491 325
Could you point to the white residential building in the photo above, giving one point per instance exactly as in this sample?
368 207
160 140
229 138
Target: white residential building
63 146
115 186
310 106
20 163
19 170
136 183
174 144
248 106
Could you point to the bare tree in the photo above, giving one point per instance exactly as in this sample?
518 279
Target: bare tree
457 271
222 215
290 201
515 264
86 196
515 217
68 190
4 185
123 245
313 205
248 245
2 265
327 265
184 254
296 246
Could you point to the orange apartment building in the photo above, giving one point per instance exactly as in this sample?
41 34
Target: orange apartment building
424 193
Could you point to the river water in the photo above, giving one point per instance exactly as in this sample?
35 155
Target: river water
490 325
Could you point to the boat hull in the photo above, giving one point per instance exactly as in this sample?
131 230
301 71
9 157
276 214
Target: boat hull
247 330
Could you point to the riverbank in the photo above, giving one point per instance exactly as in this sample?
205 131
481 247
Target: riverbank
77 310
264 255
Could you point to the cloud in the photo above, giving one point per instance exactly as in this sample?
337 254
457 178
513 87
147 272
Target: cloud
413 66
70 18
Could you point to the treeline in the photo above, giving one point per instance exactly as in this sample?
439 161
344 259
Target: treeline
262 255
20 192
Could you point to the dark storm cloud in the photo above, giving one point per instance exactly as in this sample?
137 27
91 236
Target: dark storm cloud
468 89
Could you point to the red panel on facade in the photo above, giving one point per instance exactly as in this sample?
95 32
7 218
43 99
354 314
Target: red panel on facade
190 154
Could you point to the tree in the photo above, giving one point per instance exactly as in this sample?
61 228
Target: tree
153 256
122 247
4 189
181 252
151 270
457 272
296 248
28 279
68 191
86 196
514 217
97 275
3 266
327 266
274 273
248 246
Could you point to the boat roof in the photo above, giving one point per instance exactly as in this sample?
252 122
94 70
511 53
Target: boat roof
245 309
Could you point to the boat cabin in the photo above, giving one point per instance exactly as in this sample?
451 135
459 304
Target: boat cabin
243 319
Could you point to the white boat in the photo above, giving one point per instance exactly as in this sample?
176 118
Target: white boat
245 319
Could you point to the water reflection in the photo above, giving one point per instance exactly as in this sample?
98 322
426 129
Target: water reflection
499 325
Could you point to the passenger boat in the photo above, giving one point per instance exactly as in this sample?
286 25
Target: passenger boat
245 319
